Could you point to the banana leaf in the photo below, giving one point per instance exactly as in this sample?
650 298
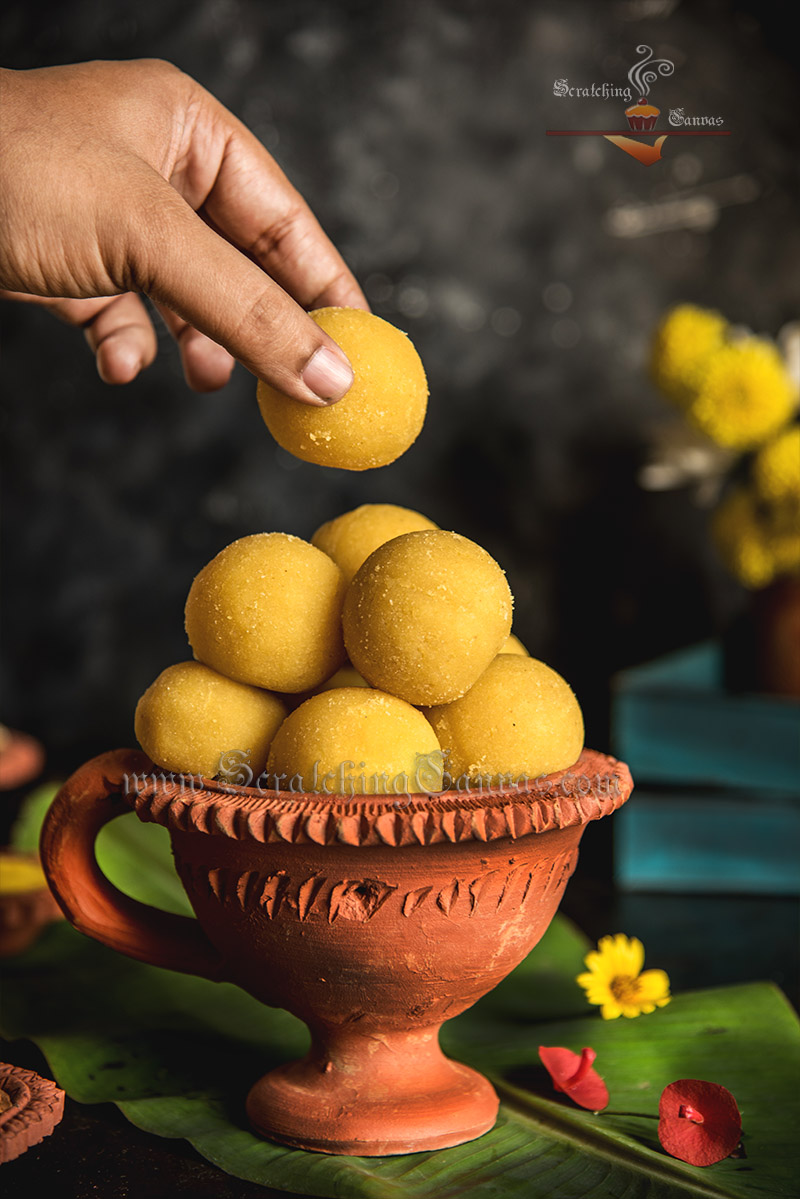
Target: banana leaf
177 1055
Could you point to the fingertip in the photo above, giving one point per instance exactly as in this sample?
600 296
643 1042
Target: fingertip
342 294
121 336
357 300
118 361
207 366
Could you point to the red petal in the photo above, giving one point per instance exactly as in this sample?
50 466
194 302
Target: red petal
699 1144
562 1064
591 1092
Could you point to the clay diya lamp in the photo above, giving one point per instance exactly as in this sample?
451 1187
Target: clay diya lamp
30 1108
26 903
372 918
21 758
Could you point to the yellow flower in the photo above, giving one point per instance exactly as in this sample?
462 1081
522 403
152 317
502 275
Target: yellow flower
745 396
757 541
786 546
615 981
683 345
739 539
776 469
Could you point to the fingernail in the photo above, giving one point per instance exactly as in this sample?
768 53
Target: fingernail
328 374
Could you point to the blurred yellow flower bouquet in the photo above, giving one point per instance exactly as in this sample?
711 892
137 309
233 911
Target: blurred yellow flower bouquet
739 394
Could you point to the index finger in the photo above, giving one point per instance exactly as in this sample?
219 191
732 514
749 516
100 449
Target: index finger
252 204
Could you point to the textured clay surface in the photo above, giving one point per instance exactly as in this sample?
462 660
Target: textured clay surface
21 758
372 920
26 904
35 1106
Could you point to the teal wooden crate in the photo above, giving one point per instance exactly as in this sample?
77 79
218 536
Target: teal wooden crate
697 842
716 805
674 722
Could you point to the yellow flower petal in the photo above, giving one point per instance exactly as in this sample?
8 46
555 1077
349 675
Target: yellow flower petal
746 395
686 339
633 954
617 956
653 986
615 983
620 955
593 960
745 541
776 469
600 996
601 967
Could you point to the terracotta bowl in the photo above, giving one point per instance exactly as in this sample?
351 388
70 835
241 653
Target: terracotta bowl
372 918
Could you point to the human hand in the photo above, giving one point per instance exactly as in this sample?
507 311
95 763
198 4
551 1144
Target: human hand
126 177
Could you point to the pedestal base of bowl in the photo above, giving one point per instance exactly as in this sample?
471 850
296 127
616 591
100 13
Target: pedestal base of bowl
371 1096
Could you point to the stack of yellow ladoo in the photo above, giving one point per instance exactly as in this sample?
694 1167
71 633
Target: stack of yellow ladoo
345 665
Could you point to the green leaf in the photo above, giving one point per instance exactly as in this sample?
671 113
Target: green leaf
28 825
160 1045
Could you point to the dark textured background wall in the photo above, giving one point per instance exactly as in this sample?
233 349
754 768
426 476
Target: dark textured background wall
416 129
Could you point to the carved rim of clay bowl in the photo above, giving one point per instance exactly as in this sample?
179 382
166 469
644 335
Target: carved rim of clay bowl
595 786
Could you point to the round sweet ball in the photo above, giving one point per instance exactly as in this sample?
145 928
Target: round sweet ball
425 615
514 646
379 417
355 741
345 676
191 717
520 720
267 611
352 537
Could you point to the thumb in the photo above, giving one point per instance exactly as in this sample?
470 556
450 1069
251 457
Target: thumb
176 259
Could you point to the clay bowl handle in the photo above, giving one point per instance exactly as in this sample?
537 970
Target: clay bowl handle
88 800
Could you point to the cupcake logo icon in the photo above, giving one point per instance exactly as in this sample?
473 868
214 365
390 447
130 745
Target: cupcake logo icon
642 117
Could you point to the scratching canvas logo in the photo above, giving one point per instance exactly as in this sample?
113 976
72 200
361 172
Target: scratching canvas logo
642 115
